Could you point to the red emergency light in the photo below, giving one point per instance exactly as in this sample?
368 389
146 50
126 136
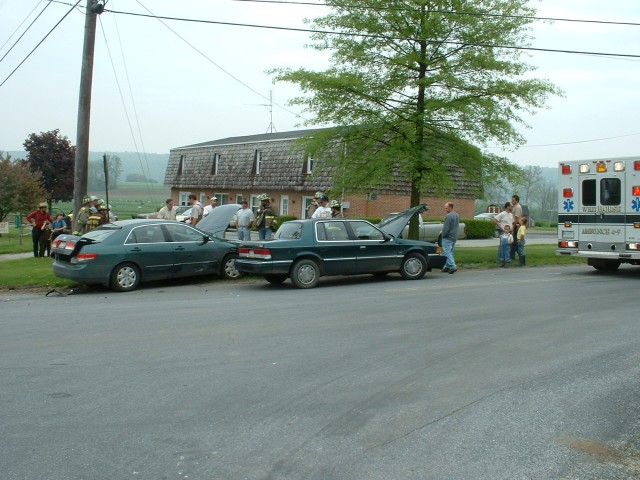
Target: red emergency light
635 190
636 165
566 169
567 192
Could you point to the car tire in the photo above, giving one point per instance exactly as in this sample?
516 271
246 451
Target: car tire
414 267
305 273
125 277
604 265
229 270
275 279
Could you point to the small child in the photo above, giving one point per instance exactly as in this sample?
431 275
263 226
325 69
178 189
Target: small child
522 233
504 248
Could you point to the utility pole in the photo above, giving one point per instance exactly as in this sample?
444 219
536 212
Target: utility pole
93 9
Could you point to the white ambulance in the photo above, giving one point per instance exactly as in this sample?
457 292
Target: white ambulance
599 211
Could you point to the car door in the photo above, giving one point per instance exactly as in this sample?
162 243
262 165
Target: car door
147 246
374 252
193 252
336 247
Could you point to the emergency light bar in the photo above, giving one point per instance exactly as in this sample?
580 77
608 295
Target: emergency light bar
618 167
601 167
566 169
584 168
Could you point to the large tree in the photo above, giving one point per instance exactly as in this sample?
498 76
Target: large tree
414 84
52 156
20 189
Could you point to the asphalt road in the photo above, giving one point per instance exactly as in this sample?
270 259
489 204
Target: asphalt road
499 374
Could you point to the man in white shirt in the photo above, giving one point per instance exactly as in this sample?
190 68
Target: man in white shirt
167 212
245 219
505 217
323 211
213 203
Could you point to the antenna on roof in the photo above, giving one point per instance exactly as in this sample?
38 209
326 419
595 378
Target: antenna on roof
271 128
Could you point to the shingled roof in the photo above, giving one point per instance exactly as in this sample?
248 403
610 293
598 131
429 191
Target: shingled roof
282 167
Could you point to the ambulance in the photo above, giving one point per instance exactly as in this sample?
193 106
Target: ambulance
599 211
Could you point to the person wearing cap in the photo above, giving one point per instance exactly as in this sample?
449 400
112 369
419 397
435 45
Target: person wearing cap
336 208
213 203
245 219
314 204
58 226
265 217
167 212
80 221
323 211
41 222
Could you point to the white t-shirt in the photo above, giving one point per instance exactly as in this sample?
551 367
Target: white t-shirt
322 212
504 218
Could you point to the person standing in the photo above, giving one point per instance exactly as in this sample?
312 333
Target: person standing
504 218
213 203
521 239
336 208
58 226
323 211
245 219
40 220
449 237
313 206
167 212
516 211
196 210
504 245
80 221
265 217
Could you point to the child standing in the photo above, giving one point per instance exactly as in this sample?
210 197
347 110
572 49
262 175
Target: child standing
504 248
522 233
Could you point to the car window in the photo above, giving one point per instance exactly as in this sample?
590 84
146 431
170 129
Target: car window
366 231
101 233
146 234
289 230
183 233
331 231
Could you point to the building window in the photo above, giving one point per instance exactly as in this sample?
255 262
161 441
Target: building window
307 168
239 198
215 163
257 163
223 198
183 198
284 205
181 165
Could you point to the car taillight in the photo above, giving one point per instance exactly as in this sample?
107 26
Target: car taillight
568 244
262 253
83 257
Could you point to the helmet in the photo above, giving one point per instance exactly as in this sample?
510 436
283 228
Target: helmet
318 195
86 199
334 204
263 196
103 206
93 197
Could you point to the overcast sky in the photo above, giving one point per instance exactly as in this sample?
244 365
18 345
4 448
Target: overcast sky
167 93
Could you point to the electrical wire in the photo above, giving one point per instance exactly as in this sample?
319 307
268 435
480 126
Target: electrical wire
39 43
23 33
580 141
365 35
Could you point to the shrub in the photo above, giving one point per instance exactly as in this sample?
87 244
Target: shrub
479 228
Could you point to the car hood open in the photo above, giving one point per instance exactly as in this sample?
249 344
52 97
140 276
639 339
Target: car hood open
218 220
394 224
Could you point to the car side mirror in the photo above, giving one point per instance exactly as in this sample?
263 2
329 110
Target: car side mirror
386 237
205 239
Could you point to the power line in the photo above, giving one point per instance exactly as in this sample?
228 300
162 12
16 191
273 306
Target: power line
25 32
581 141
21 23
39 43
368 35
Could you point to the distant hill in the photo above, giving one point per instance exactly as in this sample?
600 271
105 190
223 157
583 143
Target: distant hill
151 165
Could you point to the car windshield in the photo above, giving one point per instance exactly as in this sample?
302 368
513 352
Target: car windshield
289 230
181 209
101 233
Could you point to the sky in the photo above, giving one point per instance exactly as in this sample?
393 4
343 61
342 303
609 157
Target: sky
158 86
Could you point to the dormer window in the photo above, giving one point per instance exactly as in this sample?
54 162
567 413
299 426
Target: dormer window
257 162
215 163
181 165
307 168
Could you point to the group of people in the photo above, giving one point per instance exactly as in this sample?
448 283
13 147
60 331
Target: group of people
513 227
321 207
45 229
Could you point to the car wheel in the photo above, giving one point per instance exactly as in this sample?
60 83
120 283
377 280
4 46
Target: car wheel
275 279
413 267
305 273
604 265
229 270
125 277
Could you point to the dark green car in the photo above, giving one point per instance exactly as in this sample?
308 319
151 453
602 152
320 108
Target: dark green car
305 250
123 254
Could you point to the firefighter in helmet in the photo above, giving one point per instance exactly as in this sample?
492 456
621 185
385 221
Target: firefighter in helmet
315 203
80 221
265 217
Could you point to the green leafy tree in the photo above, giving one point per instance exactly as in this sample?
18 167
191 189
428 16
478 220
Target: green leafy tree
52 157
20 189
95 175
414 84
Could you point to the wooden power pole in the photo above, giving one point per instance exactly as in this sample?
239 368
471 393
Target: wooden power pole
93 9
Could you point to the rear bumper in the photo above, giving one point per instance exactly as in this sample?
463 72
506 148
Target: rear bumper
81 273
625 256
437 261
262 267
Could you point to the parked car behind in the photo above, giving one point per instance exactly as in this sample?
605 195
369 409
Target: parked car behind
123 254
305 250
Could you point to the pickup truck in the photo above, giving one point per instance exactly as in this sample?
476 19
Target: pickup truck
428 231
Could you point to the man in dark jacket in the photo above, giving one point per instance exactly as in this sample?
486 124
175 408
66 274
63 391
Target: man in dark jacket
449 237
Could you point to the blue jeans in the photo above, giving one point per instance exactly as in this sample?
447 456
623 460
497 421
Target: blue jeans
504 250
244 233
447 251
521 245
264 233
